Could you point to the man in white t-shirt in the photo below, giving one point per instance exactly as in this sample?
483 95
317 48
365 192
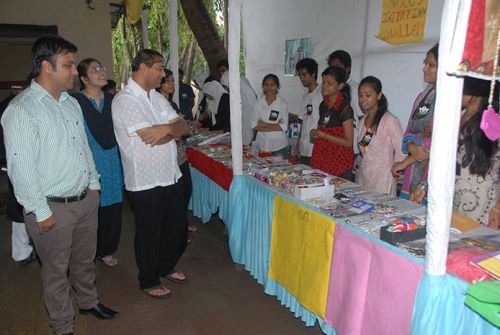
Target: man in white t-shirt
146 125
307 70
343 59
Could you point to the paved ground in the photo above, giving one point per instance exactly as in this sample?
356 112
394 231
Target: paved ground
217 299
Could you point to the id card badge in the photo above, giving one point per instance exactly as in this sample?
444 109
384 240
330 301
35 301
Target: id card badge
273 116
309 110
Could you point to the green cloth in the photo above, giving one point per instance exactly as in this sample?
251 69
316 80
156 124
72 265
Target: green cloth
484 299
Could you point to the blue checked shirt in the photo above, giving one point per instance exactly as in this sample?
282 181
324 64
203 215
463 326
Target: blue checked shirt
47 149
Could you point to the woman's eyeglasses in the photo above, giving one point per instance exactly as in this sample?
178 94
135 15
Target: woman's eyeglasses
98 69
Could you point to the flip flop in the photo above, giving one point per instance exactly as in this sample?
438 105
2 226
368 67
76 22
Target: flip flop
166 291
174 279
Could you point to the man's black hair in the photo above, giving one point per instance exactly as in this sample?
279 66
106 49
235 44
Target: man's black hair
47 48
147 57
343 56
310 65
222 62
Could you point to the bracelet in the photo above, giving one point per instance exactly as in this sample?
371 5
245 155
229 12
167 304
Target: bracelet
495 210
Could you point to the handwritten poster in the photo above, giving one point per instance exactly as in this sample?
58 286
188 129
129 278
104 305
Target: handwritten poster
403 21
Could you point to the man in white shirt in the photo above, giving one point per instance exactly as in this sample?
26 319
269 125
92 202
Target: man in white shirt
343 59
146 125
307 70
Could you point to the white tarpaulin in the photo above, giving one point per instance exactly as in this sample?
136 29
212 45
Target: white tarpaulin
331 25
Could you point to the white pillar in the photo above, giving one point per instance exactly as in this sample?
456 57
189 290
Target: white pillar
174 45
234 12
445 135
144 25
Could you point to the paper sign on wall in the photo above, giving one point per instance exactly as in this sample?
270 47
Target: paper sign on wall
403 21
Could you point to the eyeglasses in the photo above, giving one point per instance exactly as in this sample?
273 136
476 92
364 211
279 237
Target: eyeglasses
98 69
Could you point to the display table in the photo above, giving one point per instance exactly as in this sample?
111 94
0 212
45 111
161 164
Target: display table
371 286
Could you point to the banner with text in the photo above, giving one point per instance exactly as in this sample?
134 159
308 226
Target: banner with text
403 21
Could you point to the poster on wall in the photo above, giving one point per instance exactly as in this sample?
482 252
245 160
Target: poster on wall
402 21
295 50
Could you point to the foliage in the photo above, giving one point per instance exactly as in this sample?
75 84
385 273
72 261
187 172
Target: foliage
159 37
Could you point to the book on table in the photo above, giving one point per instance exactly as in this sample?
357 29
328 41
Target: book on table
489 263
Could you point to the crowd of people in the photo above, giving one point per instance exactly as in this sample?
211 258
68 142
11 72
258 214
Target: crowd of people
76 154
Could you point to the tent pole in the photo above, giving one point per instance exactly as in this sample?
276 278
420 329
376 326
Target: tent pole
174 46
445 136
234 12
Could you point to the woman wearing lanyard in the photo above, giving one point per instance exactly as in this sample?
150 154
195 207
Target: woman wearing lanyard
379 139
333 138
418 135
270 118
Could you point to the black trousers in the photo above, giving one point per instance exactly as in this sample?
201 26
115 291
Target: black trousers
109 229
187 186
14 209
160 231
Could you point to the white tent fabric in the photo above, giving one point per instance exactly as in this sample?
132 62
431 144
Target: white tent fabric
174 45
234 11
331 25
444 139
352 26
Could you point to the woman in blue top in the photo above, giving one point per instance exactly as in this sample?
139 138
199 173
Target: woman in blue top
96 108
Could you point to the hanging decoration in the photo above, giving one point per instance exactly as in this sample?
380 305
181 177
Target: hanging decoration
480 43
134 9
402 21
490 122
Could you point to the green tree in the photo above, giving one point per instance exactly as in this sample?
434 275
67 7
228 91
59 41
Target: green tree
127 38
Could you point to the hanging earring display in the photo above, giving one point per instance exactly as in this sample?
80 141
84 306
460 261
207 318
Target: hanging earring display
490 122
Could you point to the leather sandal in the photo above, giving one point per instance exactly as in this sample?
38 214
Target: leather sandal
165 292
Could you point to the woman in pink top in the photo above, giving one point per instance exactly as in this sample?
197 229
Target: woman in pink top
379 138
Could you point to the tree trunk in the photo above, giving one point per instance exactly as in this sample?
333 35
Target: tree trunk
190 61
160 44
203 28
124 74
183 57
226 23
125 43
133 43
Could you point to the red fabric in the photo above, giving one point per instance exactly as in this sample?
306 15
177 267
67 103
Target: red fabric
473 49
332 158
218 172
458 264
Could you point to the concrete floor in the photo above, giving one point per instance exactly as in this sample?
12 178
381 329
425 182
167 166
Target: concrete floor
218 299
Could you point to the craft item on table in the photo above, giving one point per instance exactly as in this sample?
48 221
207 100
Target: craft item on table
322 200
489 263
484 299
488 242
216 139
403 228
405 223
361 206
383 212
416 248
340 209
200 136
337 181
263 153
341 196
461 223
459 260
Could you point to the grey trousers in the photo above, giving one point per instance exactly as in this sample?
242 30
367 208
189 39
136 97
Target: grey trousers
69 245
